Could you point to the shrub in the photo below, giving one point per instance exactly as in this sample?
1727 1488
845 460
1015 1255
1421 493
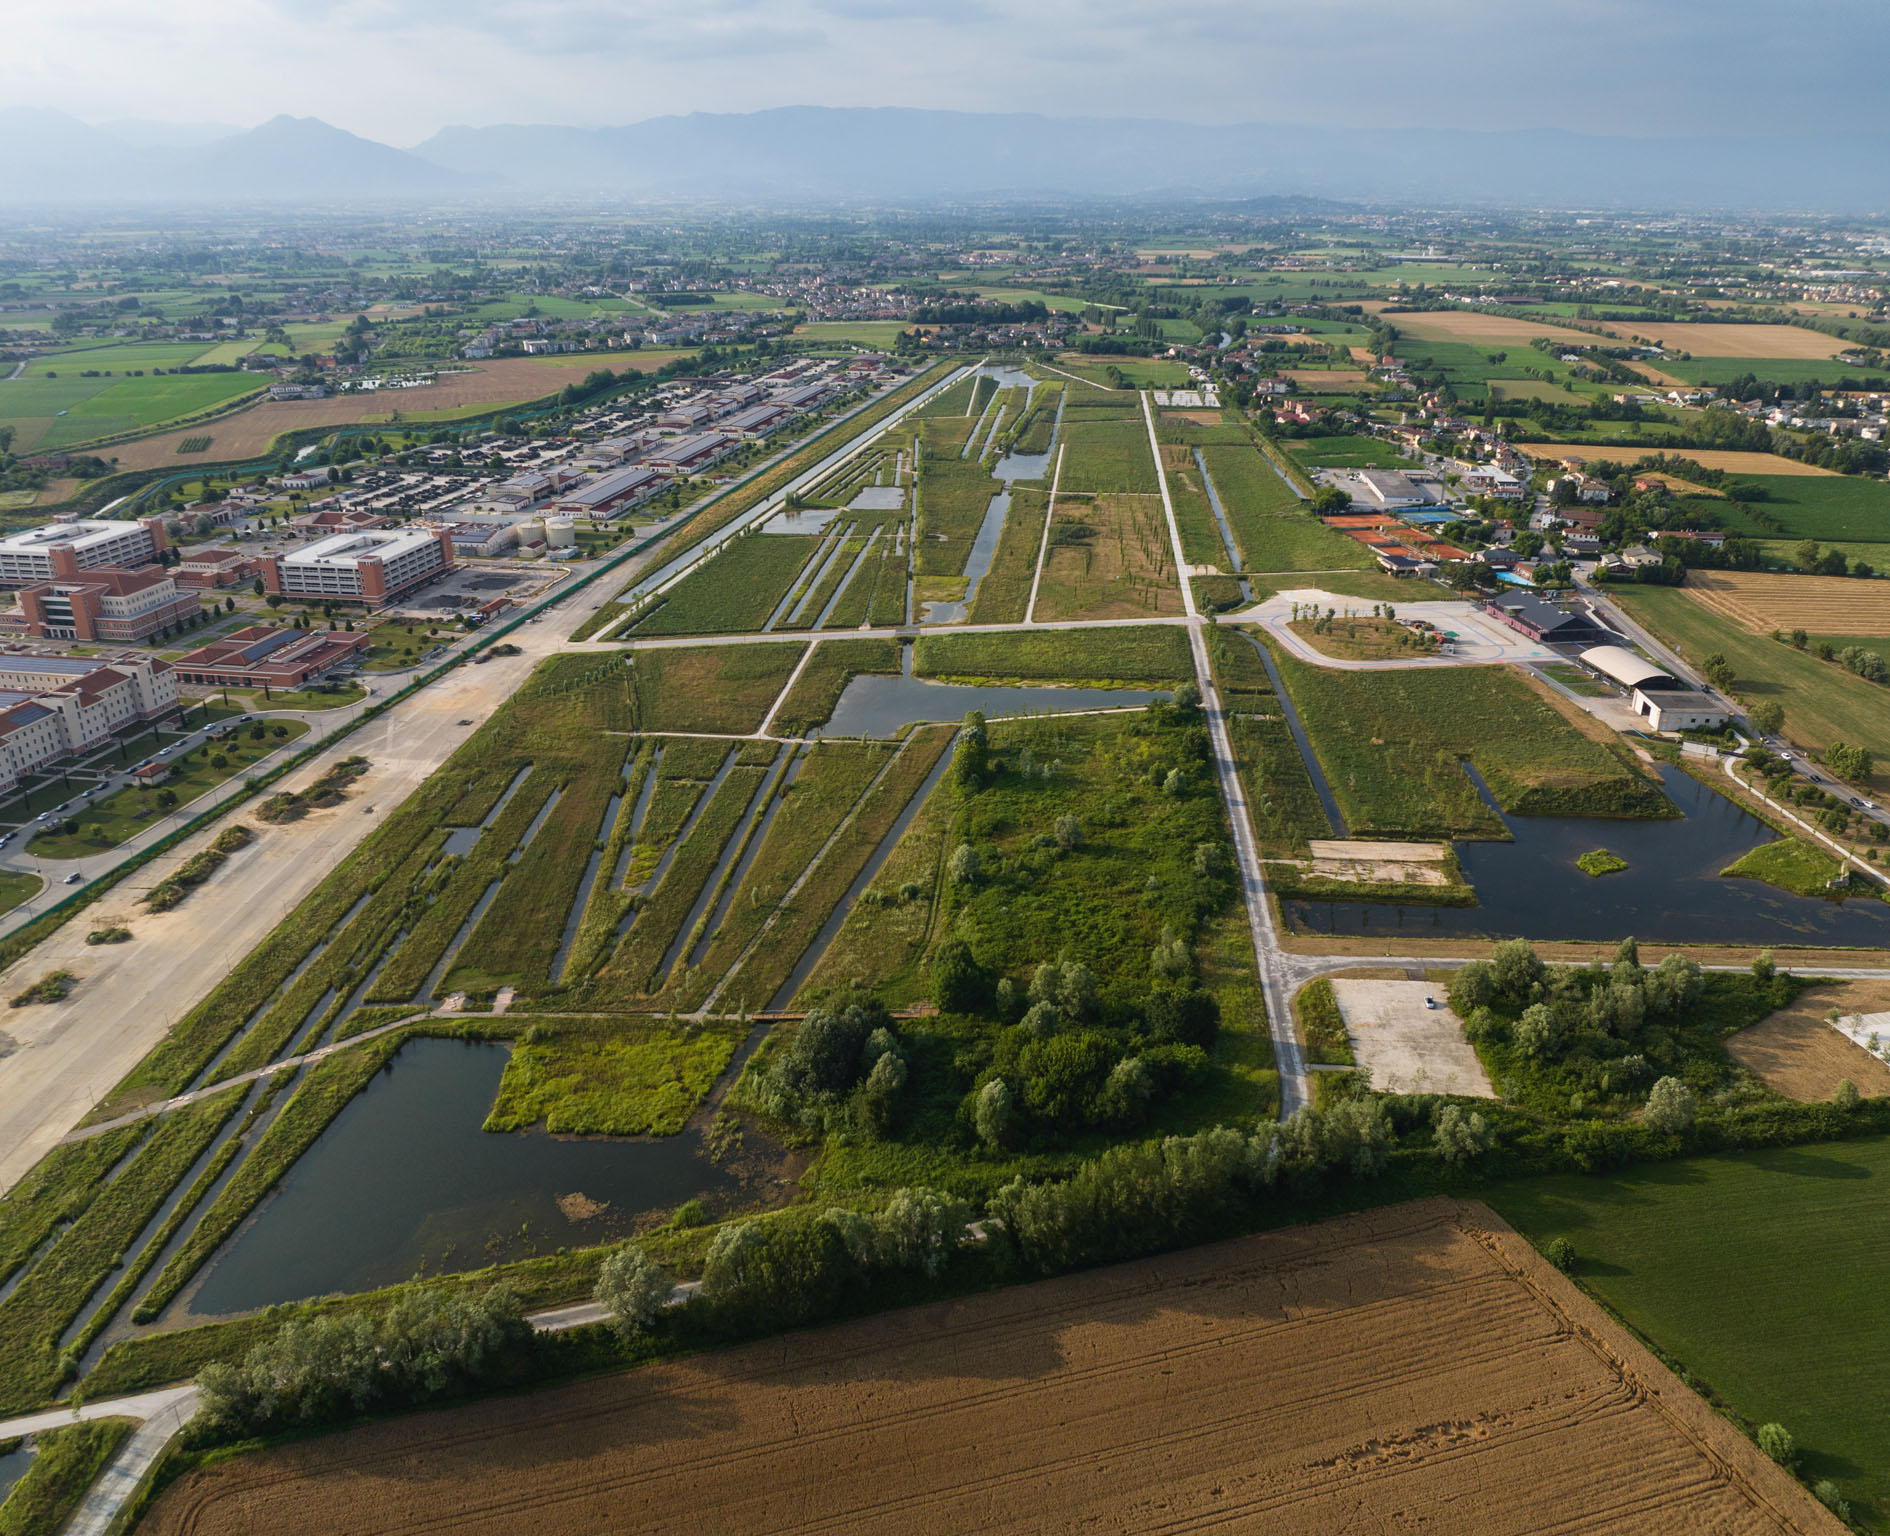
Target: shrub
318 1369
1561 1253
112 935
1069 832
1182 1016
53 987
1669 1107
1845 1096
1826 1492
1776 1441
635 1288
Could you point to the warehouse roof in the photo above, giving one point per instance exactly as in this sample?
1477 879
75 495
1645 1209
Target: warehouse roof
1627 669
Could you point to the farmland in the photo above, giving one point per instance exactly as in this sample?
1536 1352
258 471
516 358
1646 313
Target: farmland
1573 1418
1793 1342
1109 558
1811 507
1823 702
1760 602
1733 461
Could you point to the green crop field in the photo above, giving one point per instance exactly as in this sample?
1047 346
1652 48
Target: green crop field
1107 456
1808 507
1779 370
1345 453
1823 702
1271 525
954 496
1759 1272
863 333
1391 744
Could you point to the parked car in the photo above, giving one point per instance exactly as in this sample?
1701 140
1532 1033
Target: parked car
1430 1002
74 878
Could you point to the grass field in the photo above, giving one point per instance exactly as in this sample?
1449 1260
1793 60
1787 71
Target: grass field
1391 744
1823 703
1274 531
100 406
1810 507
611 1079
954 496
877 334
819 687
1345 453
1132 657
1760 1272
1140 372
711 688
1107 456
734 592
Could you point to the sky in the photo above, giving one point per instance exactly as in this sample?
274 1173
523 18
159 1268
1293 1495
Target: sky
398 70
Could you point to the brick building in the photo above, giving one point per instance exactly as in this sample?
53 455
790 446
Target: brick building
106 603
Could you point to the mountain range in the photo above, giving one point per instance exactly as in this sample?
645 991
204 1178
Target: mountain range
826 155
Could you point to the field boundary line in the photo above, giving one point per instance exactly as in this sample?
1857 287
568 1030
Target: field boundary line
793 677
1043 546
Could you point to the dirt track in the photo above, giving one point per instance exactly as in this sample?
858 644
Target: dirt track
1417 1368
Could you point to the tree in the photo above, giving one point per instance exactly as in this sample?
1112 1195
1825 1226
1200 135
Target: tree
1675 984
635 1289
1538 1032
1776 1441
879 1099
991 1115
972 756
1764 968
824 1056
920 1229
1069 832
958 981
1188 696
1472 987
1767 717
1670 1107
962 866
1515 969
1717 670
1845 1095
1461 1137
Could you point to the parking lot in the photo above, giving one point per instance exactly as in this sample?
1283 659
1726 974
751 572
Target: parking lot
1407 1046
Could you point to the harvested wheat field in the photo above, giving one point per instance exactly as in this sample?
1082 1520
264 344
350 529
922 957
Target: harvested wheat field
1709 340
1416 1368
503 381
1477 327
1732 460
1803 1057
1762 601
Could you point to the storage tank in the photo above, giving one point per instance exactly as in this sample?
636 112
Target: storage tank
560 533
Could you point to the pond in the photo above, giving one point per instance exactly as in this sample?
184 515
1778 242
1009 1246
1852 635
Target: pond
878 704
405 1180
1672 890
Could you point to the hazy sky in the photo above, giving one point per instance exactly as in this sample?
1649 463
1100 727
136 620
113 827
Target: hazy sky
399 69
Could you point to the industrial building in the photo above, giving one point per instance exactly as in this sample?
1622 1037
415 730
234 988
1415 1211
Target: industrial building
1680 709
1542 621
368 567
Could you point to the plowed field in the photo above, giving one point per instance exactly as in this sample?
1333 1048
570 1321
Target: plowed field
1418 1368
1761 602
1734 340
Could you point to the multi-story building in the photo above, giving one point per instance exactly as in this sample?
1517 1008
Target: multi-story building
64 549
55 707
214 565
367 567
106 604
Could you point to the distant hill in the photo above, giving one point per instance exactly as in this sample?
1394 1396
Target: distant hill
893 154
55 158
899 155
